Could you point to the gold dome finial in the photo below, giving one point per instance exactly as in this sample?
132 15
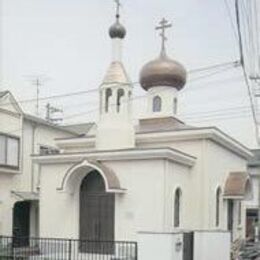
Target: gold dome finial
164 24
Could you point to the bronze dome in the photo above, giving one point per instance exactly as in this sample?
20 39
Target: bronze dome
117 30
163 72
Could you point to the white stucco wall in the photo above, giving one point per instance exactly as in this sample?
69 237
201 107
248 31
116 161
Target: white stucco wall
218 166
154 246
211 245
143 206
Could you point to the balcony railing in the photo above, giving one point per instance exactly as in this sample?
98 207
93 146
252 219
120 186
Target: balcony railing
24 248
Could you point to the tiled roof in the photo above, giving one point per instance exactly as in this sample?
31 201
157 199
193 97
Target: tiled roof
116 74
236 185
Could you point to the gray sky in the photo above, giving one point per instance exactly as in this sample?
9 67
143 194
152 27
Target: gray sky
67 41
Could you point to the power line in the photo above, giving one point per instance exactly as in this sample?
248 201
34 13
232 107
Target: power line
231 19
241 50
71 94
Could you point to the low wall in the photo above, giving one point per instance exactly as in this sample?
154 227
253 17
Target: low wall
205 245
213 245
165 246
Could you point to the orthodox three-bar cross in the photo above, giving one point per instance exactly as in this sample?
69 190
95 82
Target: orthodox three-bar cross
164 24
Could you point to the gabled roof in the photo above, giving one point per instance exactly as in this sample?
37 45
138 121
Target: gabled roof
116 74
41 121
3 93
12 102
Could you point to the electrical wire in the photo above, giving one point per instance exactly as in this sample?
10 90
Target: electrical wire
233 64
241 50
231 19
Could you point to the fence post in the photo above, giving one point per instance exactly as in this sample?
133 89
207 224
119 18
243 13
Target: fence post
70 249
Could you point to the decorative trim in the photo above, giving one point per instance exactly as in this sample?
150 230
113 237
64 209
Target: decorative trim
111 181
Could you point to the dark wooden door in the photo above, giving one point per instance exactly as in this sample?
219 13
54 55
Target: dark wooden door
21 223
97 209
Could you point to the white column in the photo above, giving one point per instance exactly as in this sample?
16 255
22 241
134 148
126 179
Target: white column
117 49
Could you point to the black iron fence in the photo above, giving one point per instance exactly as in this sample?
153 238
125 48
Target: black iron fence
24 248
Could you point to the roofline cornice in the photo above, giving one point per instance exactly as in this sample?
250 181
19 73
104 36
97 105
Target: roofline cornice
119 155
211 133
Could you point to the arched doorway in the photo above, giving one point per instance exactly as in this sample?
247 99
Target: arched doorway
97 210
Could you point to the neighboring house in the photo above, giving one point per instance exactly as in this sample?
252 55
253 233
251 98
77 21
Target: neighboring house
159 176
22 135
252 205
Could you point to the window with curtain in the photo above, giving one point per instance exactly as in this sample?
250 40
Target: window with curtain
218 198
157 104
177 207
9 151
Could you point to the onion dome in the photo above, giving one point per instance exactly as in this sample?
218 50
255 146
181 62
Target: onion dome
163 71
117 30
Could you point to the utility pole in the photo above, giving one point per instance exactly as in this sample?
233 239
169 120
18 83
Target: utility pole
38 84
37 81
50 111
254 88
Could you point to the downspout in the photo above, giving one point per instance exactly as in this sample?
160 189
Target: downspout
34 126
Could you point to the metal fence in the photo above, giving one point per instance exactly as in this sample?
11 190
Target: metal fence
24 248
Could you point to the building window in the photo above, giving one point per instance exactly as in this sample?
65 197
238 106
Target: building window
177 207
120 94
107 97
218 198
9 151
157 104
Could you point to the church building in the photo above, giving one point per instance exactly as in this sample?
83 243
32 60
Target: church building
158 175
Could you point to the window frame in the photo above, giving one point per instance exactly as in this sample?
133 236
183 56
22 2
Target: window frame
6 165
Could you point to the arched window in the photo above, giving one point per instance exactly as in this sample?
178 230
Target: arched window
177 207
108 95
120 94
175 105
157 104
218 199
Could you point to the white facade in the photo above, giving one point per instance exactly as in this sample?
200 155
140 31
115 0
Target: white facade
149 174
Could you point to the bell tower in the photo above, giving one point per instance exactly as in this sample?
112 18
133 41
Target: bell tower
115 128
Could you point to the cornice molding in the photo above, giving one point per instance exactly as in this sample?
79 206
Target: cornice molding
120 155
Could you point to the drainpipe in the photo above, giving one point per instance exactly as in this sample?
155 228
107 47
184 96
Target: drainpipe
258 217
34 126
